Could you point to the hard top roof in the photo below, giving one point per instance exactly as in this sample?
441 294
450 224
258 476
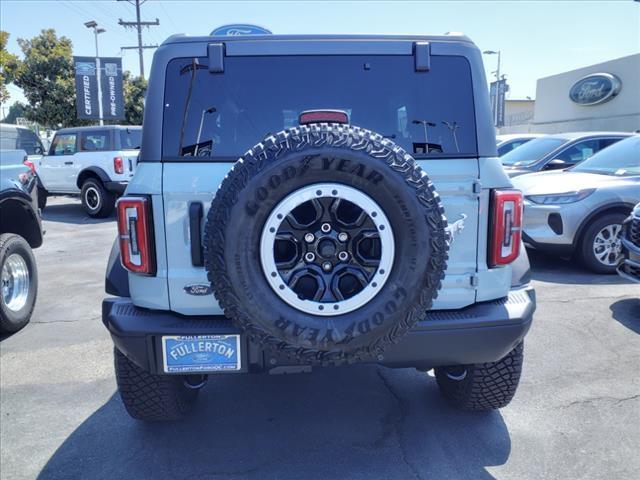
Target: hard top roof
447 37
98 127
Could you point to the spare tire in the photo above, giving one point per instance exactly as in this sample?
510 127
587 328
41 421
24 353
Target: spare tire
326 243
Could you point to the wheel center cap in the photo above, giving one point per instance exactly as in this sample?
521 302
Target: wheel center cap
327 248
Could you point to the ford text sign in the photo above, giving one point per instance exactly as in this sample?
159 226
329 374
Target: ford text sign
595 88
239 29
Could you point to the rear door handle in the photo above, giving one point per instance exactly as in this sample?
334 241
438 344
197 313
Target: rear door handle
195 232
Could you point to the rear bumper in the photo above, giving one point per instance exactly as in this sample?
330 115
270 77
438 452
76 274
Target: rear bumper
483 332
116 187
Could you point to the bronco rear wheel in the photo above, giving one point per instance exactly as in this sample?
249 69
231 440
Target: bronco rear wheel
326 243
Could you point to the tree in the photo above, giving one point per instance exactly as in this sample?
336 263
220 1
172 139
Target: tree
16 110
46 76
134 93
8 66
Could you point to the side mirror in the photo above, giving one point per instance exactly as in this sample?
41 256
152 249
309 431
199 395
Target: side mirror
556 164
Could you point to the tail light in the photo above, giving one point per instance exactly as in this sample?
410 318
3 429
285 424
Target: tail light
135 235
506 227
29 164
118 165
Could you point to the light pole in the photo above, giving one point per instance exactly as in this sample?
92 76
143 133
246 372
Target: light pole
204 112
495 93
425 124
96 31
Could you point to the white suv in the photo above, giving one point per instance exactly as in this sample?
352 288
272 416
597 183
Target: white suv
96 162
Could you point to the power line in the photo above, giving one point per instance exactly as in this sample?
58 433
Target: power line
138 24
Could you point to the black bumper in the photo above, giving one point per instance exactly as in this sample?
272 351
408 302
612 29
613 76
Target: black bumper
483 332
116 187
629 266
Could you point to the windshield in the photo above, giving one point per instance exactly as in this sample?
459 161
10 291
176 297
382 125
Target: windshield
531 152
130 138
621 158
220 115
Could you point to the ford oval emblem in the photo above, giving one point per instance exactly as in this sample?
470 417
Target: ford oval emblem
595 88
198 290
239 29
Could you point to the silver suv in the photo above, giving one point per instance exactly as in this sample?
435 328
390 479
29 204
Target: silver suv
303 201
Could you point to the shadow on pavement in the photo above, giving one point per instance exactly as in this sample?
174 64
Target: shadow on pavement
351 422
627 312
549 268
72 213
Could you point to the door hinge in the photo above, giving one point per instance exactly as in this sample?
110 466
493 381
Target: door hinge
474 280
477 187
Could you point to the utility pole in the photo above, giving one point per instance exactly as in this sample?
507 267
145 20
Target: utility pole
138 24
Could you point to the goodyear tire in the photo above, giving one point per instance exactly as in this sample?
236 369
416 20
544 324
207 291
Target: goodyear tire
149 397
326 243
484 386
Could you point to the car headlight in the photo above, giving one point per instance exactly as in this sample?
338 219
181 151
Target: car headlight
561 198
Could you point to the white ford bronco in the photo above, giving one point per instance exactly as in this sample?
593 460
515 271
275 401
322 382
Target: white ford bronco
303 201
96 162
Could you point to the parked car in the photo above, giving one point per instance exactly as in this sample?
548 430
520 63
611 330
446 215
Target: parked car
96 162
629 264
20 231
326 242
581 210
509 142
558 151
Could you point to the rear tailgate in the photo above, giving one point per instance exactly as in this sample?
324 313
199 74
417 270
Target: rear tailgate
186 183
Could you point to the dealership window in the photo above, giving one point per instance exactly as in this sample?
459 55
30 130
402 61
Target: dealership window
64 144
95 141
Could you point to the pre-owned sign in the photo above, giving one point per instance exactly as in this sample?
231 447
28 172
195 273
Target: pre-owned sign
87 91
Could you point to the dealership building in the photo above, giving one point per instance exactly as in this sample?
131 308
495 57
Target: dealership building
604 96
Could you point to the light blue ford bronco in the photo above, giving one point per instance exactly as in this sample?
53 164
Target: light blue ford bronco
303 201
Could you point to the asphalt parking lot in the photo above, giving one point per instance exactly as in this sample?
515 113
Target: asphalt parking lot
576 414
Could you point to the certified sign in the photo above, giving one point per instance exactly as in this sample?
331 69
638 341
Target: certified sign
595 88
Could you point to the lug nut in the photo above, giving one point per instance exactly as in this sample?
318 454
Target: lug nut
343 256
326 228
309 257
343 237
327 266
309 237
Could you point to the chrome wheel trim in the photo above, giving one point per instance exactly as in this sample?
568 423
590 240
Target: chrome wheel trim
607 246
92 198
15 282
335 190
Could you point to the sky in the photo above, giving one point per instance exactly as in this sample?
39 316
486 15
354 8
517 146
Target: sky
536 38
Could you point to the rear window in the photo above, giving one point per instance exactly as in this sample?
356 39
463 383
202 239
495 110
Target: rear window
130 138
219 116
21 139
95 141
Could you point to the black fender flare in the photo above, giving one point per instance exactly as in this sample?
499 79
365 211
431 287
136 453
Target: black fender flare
92 172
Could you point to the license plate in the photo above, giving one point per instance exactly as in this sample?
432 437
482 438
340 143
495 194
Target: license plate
201 353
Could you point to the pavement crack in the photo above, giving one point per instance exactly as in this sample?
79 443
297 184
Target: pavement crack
585 401
392 424
41 322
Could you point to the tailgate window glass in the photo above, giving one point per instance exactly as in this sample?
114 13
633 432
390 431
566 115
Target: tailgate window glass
220 115
130 139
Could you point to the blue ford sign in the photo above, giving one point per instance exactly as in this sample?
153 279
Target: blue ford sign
595 88
239 29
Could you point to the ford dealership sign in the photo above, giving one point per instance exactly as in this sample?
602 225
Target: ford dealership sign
595 88
239 29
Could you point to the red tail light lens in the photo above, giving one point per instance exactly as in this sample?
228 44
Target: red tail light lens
135 233
506 227
28 163
118 165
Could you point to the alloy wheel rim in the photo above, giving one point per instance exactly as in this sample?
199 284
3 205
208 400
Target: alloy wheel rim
15 282
327 249
92 198
607 246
